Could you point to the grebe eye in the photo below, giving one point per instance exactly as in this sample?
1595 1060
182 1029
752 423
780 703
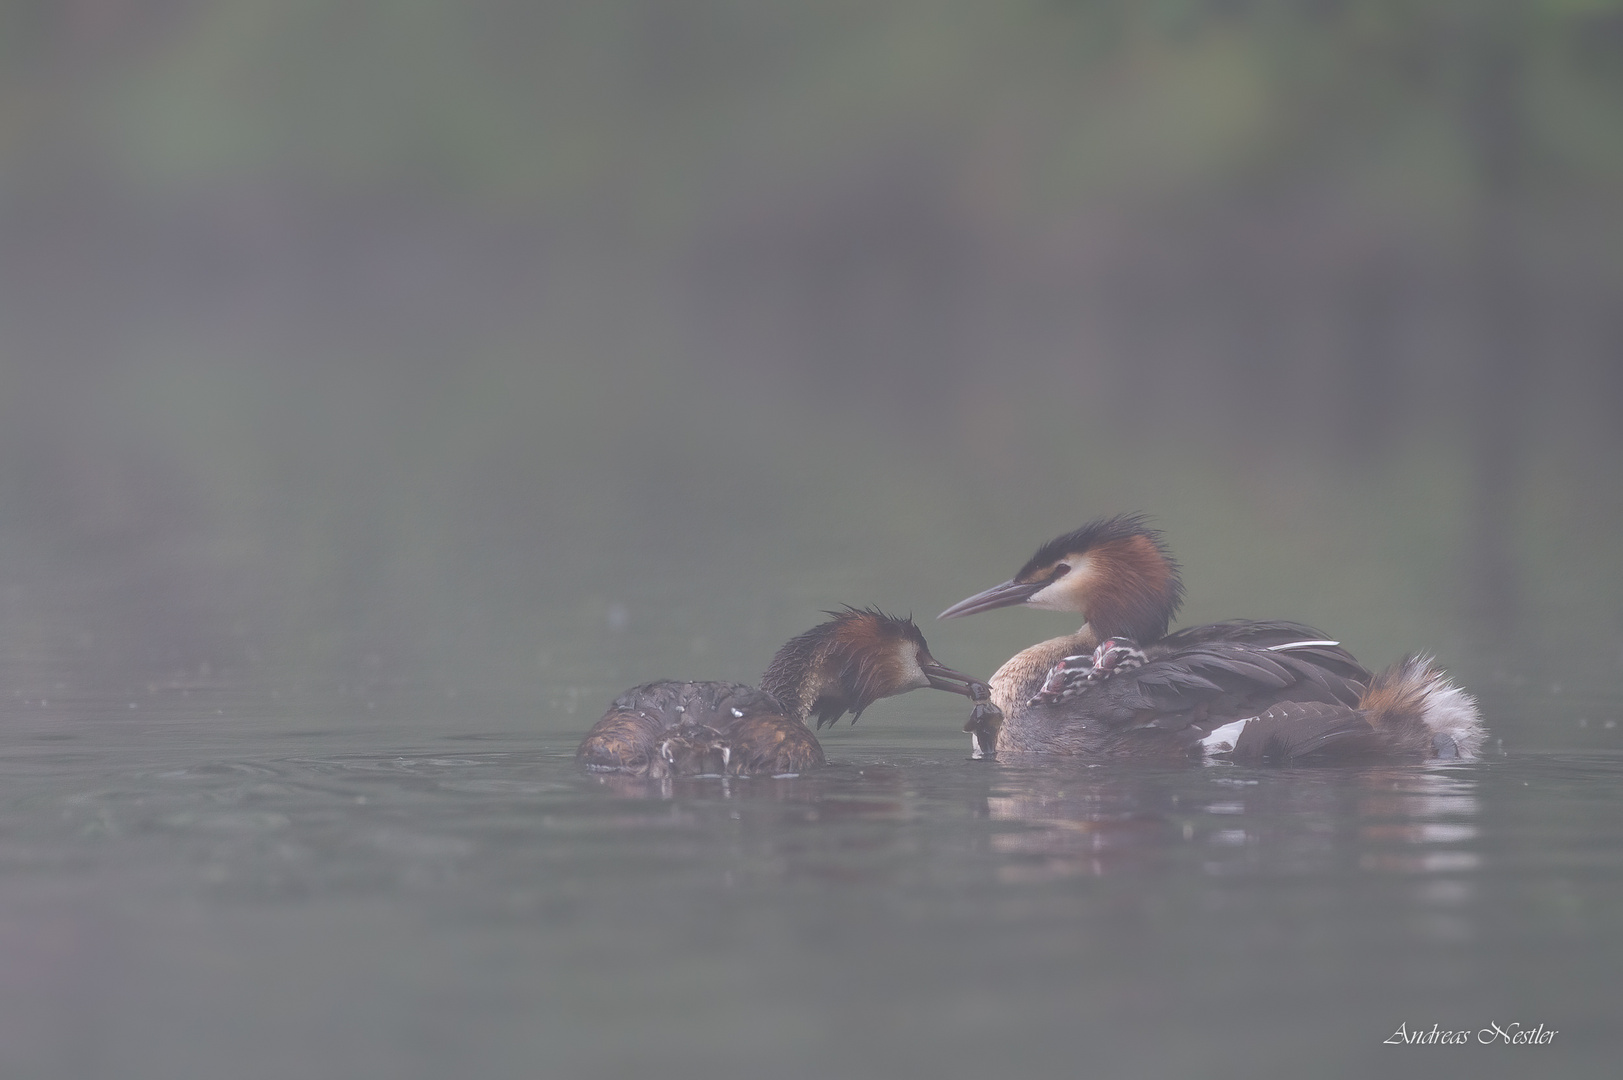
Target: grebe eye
1060 570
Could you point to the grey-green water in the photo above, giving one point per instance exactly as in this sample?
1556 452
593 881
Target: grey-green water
206 881
383 390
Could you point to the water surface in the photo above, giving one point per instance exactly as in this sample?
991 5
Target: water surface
205 881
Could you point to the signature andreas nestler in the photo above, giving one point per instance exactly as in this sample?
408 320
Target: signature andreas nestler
1494 1034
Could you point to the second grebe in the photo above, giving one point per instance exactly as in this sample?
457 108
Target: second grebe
844 665
1147 692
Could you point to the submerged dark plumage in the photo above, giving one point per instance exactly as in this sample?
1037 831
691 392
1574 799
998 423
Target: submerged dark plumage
673 728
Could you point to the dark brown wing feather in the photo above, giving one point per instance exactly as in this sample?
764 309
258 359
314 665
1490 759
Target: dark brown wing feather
1208 683
1303 733
1266 634
1335 671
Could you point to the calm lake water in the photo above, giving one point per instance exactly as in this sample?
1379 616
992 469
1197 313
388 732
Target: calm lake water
382 393
206 881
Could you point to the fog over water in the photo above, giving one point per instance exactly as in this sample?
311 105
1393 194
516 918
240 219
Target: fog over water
389 374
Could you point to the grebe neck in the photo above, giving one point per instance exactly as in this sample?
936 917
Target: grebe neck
791 679
1022 675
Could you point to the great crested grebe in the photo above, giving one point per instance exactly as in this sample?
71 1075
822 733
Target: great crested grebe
1121 685
844 665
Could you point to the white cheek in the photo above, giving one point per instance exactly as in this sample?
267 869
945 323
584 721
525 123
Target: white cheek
915 679
1051 598
1066 593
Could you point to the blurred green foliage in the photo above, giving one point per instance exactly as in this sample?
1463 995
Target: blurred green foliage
651 103
432 332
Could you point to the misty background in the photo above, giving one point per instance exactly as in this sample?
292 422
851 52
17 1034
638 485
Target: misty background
497 355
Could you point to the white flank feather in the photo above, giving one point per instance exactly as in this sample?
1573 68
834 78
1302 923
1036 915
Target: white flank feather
1222 739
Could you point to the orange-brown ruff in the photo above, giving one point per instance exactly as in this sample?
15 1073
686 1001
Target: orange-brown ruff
1118 574
692 728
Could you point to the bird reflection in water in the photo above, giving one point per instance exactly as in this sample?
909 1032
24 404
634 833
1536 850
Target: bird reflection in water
1227 821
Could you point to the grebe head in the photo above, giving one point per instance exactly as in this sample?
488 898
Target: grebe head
1115 571
848 663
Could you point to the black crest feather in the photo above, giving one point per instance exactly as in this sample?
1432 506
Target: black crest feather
1094 533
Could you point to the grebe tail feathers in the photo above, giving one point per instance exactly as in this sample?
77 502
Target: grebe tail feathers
1410 711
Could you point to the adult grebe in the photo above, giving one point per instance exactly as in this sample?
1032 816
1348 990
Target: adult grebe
1127 700
1122 685
691 728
